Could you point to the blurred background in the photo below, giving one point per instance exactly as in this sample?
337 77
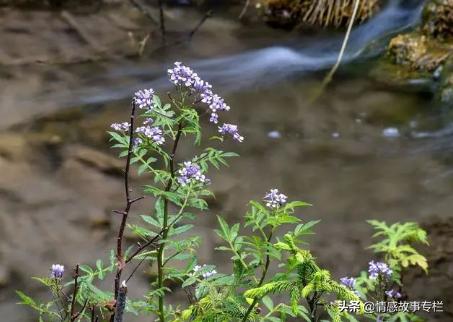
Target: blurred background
375 143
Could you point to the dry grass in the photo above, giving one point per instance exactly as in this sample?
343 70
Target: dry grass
325 13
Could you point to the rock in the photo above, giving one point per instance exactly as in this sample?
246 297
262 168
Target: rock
4 276
417 52
92 158
13 146
438 18
445 94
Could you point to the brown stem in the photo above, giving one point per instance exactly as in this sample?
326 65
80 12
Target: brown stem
74 293
121 303
199 24
93 314
312 306
119 240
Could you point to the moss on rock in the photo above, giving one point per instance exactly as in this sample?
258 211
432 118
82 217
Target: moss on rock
426 51
417 51
438 18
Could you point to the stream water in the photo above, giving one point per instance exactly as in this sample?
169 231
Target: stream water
364 149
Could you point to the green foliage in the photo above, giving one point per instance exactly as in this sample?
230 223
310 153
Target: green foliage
273 275
397 244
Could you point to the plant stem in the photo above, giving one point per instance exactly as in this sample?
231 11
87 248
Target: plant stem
313 306
73 313
263 276
125 213
160 253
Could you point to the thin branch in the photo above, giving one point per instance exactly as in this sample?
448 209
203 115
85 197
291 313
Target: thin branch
200 23
244 9
121 303
142 247
72 22
93 314
335 67
344 45
125 213
74 315
135 269
82 310
144 10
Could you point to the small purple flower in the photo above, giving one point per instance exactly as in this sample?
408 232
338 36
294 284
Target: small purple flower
191 172
274 199
148 121
153 133
204 89
214 118
206 274
137 142
144 98
393 294
349 282
57 271
379 268
120 127
218 104
232 130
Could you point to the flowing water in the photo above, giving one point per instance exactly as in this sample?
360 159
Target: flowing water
365 149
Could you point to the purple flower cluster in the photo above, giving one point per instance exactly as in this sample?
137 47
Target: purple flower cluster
144 98
232 130
379 268
181 75
189 173
154 133
274 199
393 294
57 271
120 127
349 282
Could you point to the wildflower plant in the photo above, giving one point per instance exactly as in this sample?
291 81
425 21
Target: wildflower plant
273 275
383 281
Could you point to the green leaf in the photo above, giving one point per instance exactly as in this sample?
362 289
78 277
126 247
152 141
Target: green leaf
26 300
267 301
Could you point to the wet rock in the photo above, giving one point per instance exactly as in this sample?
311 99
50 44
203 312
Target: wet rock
446 84
92 158
428 47
417 52
438 18
322 13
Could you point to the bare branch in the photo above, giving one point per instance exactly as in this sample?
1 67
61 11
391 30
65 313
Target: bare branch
74 293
